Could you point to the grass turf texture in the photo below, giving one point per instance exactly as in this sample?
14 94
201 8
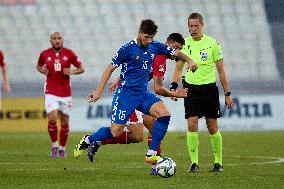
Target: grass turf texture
24 163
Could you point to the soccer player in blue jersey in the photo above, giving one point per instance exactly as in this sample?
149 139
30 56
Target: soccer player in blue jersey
136 58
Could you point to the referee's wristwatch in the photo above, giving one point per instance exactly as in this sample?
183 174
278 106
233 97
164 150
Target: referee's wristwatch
228 93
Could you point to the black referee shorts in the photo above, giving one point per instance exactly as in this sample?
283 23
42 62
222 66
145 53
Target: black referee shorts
202 100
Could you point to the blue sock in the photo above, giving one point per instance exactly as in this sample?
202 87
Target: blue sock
102 134
159 131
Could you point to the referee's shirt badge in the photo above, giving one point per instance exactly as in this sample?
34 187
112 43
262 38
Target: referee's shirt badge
204 55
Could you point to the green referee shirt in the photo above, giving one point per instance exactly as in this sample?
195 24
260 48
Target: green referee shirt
205 53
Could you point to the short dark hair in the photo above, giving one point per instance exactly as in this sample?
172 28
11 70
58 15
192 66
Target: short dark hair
196 15
148 26
176 37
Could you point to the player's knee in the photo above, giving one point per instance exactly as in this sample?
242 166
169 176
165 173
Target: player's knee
164 119
212 130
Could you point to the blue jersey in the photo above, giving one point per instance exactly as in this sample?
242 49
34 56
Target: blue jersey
137 62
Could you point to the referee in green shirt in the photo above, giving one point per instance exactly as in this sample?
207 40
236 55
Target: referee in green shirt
203 95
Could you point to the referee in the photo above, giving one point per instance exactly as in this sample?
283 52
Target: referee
203 95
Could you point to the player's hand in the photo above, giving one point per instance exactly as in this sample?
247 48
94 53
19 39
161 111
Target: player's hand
6 87
192 66
44 70
181 93
229 102
112 86
67 71
93 97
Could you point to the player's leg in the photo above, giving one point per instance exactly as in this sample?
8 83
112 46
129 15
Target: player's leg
123 105
52 107
212 113
53 132
149 124
216 141
103 133
193 110
132 134
64 132
193 143
159 111
64 112
135 134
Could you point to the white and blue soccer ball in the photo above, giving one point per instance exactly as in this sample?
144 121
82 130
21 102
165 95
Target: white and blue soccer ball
166 167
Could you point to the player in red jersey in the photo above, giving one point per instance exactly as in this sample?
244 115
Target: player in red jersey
56 63
6 85
134 132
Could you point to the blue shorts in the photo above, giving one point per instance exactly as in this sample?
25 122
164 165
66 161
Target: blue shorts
125 101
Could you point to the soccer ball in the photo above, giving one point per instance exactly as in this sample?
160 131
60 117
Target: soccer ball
166 167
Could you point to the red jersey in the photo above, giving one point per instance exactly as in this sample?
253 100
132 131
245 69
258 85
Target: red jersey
56 83
2 63
159 66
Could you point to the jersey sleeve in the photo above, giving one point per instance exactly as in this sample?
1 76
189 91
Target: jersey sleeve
119 57
159 65
164 49
41 61
2 63
217 51
185 51
75 61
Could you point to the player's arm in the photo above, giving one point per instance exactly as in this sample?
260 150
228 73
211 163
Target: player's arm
160 89
6 85
177 76
112 86
96 94
77 71
224 81
178 72
75 62
41 66
42 69
183 57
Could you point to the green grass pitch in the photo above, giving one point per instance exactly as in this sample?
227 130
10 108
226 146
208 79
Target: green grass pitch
251 160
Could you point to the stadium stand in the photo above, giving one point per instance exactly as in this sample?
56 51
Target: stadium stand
95 29
275 17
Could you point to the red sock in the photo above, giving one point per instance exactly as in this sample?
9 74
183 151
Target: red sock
64 131
159 148
121 139
52 130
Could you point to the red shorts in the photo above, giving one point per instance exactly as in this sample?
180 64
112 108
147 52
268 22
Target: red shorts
135 117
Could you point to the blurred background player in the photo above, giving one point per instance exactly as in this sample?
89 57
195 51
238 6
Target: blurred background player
134 132
136 58
5 81
56 63
203 94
